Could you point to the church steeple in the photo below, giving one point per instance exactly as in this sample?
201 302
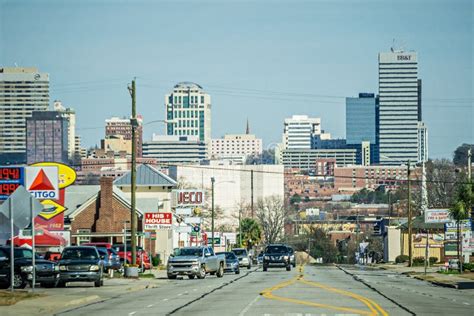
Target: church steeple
247 130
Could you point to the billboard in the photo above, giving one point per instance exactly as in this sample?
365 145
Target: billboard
42 182
154 221
437 216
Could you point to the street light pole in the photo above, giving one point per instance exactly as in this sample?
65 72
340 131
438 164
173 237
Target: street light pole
212 214
240 227
133 221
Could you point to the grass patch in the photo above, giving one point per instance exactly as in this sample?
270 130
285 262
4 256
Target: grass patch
449 272
146 275
8 298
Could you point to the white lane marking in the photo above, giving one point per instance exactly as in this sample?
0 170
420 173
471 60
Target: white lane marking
165 299
180 294
195 289
131 313
466 303
150 305
246 309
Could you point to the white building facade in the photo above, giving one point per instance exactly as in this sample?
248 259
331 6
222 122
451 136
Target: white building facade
300 131
238 145
175 149
188 112
422 142
22 91
70 115
233 184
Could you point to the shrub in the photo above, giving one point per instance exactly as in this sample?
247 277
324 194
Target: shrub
433 260
418 261
401 259
155 260
468 266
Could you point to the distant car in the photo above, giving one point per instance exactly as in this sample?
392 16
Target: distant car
111 259
120 249
231 262
276 255
291 253
244 259
81 264
195 262
47 272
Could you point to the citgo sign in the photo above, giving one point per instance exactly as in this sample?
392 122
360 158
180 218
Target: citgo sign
42 182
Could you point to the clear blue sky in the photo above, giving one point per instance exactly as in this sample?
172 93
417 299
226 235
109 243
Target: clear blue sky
263 61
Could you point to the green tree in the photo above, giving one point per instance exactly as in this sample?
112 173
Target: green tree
460 154
321 246
460 210
251 232
295 199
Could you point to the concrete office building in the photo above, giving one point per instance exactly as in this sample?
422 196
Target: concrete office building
47 137
122 126
70 116
237 145
422 142
399 109
301 131
188 112
307 159
232 186
175 149
22 91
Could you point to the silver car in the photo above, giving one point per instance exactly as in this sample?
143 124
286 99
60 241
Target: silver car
244 259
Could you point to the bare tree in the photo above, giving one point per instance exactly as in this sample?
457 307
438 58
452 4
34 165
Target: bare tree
271 213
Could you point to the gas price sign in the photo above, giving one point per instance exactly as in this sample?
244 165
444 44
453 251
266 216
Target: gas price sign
10 179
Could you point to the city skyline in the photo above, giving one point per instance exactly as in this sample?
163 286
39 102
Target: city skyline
279 69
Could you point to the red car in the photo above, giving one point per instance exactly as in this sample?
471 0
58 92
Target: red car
140 253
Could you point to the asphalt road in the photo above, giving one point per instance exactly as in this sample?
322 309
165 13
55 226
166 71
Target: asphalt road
308 290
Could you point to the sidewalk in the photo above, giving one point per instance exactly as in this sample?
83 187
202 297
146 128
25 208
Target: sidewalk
76 294
458 281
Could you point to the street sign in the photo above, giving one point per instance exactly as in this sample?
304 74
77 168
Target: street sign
51 209
437 216
184 211
42 182
192 220
10 179
451 230
154 221
189 197
184 229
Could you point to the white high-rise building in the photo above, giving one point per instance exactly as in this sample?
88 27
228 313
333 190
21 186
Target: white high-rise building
237 145
70 115
399 107
22 91
188 112
300 131
422 142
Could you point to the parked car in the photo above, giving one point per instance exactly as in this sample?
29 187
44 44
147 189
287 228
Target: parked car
291 253
120 249
47 272
276 255
195 262
231 262
81 264
244 259
111 259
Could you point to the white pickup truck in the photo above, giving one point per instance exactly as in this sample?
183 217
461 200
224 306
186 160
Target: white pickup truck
195 262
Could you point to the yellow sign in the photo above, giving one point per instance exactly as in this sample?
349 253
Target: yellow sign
51 209
66 174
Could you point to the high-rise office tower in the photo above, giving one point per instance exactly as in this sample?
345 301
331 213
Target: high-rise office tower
361 126
188 112
70 115
302 132
22 91
122 126
399 107
47 137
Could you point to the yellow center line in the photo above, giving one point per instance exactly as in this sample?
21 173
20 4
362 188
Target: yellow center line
374 307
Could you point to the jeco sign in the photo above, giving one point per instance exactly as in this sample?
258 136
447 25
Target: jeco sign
189 197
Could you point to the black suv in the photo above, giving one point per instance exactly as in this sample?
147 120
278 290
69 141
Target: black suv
47 272
81 264
276 255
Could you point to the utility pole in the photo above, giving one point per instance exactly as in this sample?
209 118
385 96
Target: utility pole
240 227
212 214
251 192
133 221
410 258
